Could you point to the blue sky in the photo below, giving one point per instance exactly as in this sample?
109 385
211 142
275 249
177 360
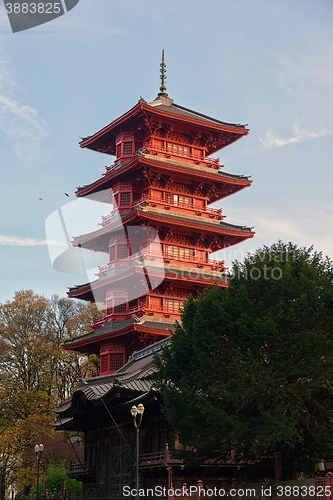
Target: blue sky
265 63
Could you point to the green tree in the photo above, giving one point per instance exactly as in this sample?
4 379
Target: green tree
57 476
249 372
35 372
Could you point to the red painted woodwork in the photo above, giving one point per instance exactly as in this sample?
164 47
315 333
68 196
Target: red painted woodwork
162 178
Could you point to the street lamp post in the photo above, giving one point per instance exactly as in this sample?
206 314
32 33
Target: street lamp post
1 467
137 413
38 450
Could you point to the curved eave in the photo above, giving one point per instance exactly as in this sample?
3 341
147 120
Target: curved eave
98 140
92 141
200 121
195 223
172 273
168 218
109 392
99 336
235 182
206 174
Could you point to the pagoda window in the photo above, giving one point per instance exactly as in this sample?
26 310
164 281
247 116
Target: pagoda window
125 199
178 199
183 200
128 148
125 144
178 149
179 252
116 361
112 357
120 306
172 305
122 251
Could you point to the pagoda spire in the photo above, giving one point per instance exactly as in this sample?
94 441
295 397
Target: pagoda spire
163 77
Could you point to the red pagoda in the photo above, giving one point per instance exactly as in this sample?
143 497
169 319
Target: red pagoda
161 230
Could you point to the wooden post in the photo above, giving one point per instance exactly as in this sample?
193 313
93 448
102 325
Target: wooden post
171 497
199 488
170 485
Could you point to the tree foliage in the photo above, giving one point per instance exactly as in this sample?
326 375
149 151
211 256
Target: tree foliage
249 372
56 477
35 372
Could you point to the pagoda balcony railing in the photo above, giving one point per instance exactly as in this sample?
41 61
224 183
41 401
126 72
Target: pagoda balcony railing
131 311
129 261
212 213
147 149
107 219
139 310
81 470
157 459
208 162
167 312
163 258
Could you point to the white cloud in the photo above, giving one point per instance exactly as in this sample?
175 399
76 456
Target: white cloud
16 241
274 141
24 129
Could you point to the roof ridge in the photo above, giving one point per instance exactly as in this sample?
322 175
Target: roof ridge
238 125
147 351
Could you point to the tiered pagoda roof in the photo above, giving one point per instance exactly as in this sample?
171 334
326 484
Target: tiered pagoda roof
163 171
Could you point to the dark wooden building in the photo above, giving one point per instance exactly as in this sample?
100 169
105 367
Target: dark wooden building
100 409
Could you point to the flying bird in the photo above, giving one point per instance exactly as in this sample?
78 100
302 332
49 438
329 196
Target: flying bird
41 199
67 194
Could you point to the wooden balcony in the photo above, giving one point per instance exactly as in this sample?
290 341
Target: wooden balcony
131 312
163 258
158 459
82 471
211 213
188 157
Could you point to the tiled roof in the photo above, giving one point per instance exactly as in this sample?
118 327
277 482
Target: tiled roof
111 326
196 219
134 377
189 166
168 106
164 324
